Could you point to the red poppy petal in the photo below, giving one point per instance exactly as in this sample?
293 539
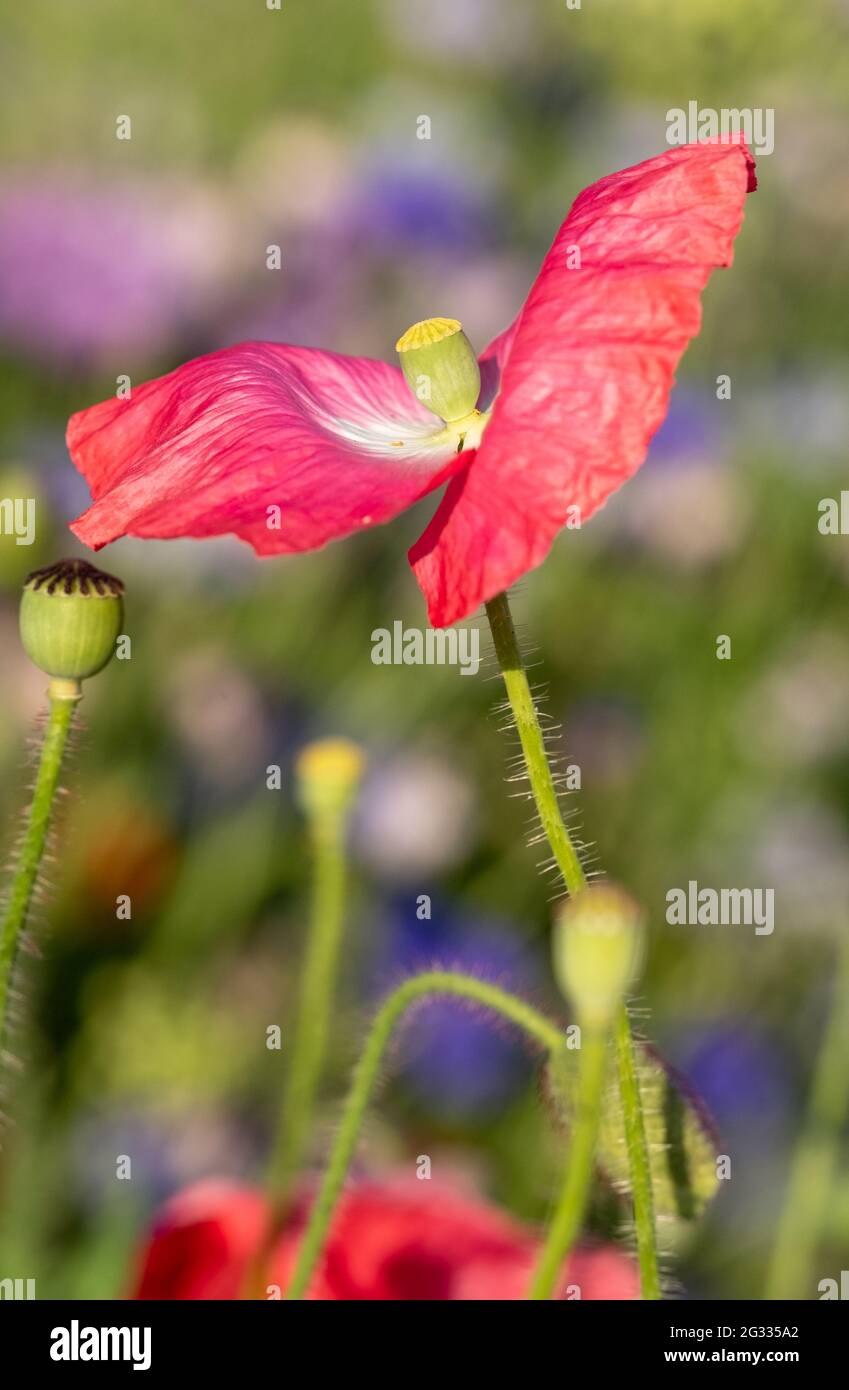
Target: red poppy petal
202 1243
287 447
588 370
396 1242
388 1242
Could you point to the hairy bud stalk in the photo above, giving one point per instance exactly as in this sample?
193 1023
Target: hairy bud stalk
327 778
328 775
568 860
596 951
70 617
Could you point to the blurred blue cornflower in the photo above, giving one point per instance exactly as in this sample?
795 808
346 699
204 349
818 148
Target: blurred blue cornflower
458 1063
401 209
741 1075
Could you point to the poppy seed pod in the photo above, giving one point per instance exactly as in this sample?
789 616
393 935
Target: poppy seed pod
440 367
597 947
70 618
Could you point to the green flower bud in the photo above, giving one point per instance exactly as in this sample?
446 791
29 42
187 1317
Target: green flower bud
328 774
70 618
440 366
597 946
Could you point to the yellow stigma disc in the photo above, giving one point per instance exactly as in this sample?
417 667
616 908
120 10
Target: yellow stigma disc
426 333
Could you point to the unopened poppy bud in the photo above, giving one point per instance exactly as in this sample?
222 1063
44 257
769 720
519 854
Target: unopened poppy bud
598 940
328 774
441 368
70 618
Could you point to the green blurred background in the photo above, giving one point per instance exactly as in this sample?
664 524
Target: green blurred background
253 127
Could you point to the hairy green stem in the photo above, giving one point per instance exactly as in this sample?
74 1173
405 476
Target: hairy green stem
568 1216
548 806
315 999
815 1162
63 699
642 1194
533 743
436 982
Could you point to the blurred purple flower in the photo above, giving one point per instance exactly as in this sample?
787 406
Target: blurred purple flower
397 209
416 816
311 300
692 427
740 1074
89 272
459 1063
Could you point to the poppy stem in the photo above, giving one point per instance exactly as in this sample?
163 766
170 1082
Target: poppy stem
545 796
533 743
816 1159
568 1217
327 775
315 998
639 1163
431 983
63 695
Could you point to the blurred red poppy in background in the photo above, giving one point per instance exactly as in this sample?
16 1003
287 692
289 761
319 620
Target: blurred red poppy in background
399 1241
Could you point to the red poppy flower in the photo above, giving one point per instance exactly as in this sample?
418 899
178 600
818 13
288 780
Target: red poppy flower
403 1241
290 447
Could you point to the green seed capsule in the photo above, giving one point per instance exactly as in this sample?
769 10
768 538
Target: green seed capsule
71 615
597 946
440 367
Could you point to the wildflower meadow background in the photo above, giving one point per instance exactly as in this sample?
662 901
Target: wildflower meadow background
144 1026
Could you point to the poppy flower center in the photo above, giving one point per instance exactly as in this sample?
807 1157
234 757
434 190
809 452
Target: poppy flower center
441 369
